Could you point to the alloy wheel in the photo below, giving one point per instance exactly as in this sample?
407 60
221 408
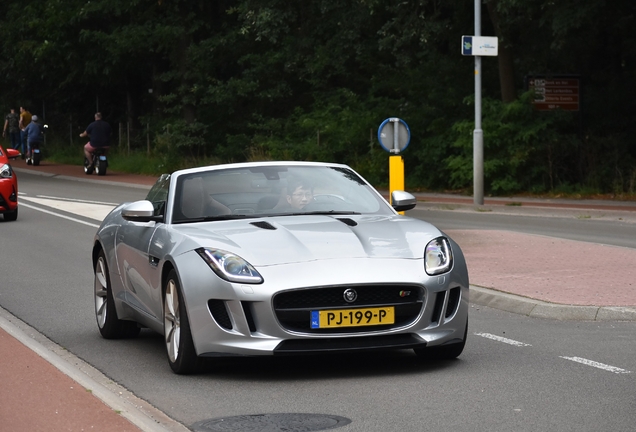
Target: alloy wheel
172 321
101 293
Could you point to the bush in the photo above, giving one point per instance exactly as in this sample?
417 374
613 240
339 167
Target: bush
523 149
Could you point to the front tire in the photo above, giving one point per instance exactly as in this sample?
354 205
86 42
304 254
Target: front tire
11 216
109 325
88 167
176 329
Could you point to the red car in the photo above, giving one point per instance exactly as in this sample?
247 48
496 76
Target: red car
8 185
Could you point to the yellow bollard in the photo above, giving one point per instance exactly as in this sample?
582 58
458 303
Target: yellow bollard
396 175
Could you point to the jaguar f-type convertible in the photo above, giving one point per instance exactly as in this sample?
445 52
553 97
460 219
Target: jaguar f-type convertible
278 258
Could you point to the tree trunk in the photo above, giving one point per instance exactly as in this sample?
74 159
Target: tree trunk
506 67
188 110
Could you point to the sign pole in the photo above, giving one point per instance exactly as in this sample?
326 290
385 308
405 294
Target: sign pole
478 133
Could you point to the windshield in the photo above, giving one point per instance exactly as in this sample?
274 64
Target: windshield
262 191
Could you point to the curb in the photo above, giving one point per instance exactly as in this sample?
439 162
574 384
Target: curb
540 309
617 215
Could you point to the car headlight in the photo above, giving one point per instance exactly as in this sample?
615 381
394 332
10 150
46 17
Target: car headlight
229 266
438 257
6 171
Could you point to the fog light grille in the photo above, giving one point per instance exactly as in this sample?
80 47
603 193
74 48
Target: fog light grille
249 316
453 302
220 314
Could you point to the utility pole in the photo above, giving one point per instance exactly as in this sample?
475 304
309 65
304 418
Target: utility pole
478 133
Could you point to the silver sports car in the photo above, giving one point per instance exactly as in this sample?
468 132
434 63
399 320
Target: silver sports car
278 258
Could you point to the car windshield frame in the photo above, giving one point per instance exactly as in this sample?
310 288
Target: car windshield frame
251 191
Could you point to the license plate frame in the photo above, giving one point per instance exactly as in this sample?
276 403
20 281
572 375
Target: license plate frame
356 317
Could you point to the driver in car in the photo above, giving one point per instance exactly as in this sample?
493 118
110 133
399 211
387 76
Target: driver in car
299 193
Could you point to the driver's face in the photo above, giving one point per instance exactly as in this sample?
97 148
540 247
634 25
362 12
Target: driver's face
300 197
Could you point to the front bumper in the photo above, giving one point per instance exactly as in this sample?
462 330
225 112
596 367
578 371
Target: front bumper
239 319
8 196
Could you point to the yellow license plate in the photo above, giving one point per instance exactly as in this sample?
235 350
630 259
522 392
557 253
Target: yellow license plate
352 317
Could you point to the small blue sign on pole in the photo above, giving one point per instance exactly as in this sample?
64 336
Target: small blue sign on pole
467 45
480 45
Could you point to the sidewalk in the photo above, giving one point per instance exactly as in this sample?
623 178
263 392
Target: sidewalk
37 396
527 274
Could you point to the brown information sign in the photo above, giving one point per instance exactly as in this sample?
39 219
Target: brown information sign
553 93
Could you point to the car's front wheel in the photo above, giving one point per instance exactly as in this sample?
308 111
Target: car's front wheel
11 216
444 352
109 325
176 329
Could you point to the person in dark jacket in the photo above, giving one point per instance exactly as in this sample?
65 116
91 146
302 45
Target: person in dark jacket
100 133
34 134
12 125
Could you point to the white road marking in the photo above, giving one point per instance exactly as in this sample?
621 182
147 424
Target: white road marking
87 209
597 365
59 215
502 339
77 200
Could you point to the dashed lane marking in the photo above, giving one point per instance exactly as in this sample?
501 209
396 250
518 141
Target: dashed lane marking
597 365
502 339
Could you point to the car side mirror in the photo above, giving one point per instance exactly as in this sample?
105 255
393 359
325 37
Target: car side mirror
13 154
402 201
140 211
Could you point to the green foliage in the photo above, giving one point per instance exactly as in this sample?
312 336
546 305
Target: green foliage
197 82
523 149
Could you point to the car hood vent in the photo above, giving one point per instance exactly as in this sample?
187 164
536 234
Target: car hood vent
348 221
264 225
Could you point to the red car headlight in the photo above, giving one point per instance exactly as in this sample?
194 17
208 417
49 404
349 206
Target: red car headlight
6 171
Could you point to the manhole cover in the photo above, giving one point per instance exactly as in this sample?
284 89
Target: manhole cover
272 423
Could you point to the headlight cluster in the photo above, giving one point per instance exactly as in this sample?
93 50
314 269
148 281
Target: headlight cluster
229 266
438 257
6 171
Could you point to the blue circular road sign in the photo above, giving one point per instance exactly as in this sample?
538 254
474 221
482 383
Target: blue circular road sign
394 135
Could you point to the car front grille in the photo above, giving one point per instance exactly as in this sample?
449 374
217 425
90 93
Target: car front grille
293 308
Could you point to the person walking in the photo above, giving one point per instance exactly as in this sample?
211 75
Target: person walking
12 125
25 119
